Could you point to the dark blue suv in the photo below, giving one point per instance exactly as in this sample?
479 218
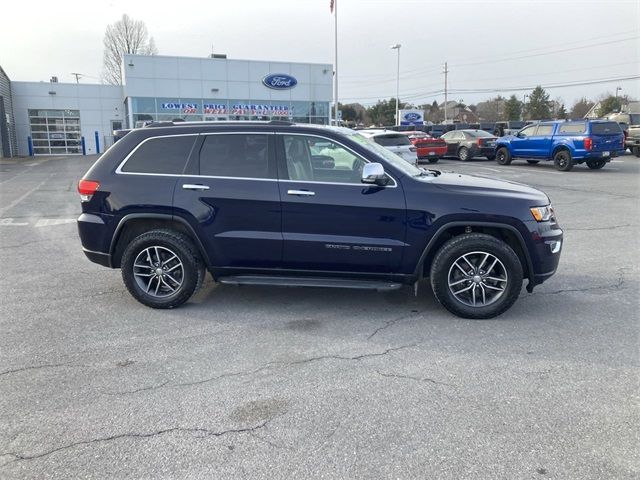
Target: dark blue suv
281 204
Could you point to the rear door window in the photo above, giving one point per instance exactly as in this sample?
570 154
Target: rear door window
241 155
544 130
161 155
605 128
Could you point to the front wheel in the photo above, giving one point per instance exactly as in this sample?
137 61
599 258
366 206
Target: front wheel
463 154
596 164
503 157
563 161
476 276
162 268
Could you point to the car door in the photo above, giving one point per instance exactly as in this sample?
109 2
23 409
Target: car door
521 142
230 195
451 139
540 144
331 221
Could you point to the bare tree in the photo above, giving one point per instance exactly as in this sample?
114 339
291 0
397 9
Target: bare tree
124 36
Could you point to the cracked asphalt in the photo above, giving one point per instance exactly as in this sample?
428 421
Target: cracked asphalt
275 383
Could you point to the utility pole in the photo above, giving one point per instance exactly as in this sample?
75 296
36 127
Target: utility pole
77 75
446 72
334 6
397 47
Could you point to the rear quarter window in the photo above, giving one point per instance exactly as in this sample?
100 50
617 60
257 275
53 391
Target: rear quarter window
605 128
392 140
163 155
575 128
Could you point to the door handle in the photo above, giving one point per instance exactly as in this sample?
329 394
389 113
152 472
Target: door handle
305 193
194 186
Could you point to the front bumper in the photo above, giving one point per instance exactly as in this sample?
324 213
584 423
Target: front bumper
547 243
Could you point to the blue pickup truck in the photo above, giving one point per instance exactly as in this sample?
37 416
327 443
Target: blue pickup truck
567 143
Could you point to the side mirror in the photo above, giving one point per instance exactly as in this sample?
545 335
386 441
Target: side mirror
373 173
519 135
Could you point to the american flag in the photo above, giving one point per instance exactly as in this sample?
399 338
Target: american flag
331 5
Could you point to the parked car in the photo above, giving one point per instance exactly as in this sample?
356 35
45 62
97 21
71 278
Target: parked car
397 142
467 144
428 148
245 201
567 143
630 124
511 127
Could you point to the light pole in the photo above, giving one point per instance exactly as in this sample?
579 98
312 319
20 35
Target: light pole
618 89
397 47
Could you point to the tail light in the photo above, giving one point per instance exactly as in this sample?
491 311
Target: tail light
588 143
86 189
479 142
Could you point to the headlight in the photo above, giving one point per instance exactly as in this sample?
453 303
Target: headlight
542 214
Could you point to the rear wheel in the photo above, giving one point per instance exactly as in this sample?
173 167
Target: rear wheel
476 276
636 151
503 157
596 164
563 161
162 268
433 160
533 162
463 154
491 157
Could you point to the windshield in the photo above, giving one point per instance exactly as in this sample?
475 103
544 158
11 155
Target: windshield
634 119
397 162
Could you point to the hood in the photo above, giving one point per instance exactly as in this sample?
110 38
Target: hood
478 185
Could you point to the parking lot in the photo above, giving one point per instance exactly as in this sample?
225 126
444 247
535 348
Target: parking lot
257 382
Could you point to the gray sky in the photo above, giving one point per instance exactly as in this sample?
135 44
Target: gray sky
488 44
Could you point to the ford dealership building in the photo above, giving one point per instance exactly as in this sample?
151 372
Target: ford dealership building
51 118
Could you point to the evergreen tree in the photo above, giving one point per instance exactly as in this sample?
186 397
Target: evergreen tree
538 105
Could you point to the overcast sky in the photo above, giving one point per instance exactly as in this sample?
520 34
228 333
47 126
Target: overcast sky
488 44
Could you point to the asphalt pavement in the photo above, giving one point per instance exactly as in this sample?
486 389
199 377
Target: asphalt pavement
281 383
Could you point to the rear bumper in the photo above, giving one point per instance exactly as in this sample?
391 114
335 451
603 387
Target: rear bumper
431 152
95 237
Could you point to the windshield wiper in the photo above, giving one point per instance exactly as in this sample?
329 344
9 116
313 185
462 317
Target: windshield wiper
424 173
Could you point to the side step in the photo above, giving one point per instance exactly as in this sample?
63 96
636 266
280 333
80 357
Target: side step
327 282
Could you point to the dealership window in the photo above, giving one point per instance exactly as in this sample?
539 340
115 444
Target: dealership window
164 155
55 132
239 155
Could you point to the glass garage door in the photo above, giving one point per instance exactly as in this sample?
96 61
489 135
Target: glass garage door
55 132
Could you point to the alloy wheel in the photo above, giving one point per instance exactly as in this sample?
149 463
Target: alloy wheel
158 271
477 279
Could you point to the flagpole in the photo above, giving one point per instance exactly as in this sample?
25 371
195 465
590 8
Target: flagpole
335 90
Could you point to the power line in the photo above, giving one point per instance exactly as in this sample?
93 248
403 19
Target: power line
542 54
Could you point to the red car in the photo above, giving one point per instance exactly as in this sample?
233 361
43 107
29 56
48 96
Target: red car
429 148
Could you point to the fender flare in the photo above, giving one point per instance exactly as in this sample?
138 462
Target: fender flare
157 216
442 229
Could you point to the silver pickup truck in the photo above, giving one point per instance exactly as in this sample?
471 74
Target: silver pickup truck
630 123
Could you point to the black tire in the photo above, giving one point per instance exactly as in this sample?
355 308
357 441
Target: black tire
596 164
503 157
452 250
190 274
463 154
636 151
533 162
562 160
491 157
433 160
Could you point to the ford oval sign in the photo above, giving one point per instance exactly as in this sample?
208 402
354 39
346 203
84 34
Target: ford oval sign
412 117
279 81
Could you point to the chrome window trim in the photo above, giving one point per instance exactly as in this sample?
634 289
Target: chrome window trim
395 184
182 175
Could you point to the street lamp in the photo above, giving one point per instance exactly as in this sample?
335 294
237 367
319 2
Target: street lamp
524 104
618 89
397 47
